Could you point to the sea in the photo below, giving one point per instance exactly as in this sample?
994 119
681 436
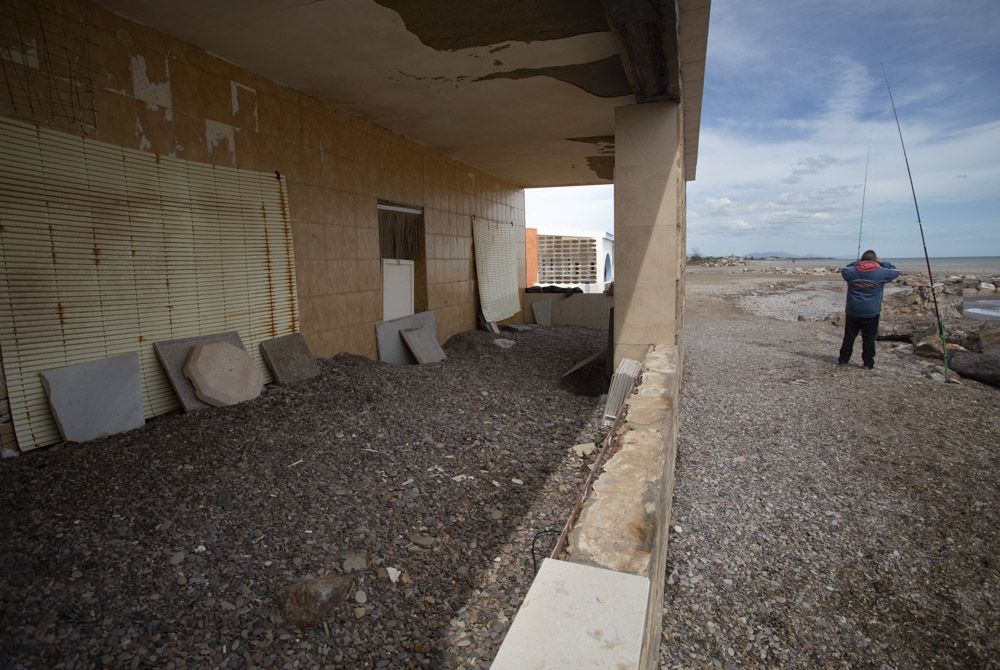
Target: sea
983 267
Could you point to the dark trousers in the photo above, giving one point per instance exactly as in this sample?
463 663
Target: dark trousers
868 328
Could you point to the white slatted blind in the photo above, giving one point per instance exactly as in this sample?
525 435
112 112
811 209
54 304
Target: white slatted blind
104 250
496 268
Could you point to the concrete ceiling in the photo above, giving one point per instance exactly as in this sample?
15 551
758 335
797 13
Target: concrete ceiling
522 89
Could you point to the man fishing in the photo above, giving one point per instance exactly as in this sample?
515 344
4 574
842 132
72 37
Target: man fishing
865 280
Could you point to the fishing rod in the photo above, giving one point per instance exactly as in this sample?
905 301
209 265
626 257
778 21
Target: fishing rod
864 192
920 224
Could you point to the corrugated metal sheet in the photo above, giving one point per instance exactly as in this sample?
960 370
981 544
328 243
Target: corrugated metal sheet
496 268
621 387
104 250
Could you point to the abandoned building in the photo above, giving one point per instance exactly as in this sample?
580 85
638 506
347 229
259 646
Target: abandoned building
189 169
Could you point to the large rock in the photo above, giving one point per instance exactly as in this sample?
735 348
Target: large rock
308 603
930 347
918 302
984 368
222 374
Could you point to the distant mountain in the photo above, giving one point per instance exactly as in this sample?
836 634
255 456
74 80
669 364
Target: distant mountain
769 254
758 255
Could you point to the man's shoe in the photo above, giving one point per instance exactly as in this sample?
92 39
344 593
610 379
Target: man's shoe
869 367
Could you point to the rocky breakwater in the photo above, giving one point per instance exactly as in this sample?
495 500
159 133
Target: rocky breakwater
973 341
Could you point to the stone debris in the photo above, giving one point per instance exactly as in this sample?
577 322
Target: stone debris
841 531
9 453
504 344
222 374
117 510
585 449
421 540
309 602
355 563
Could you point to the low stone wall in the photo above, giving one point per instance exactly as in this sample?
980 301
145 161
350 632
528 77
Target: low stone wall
589 310
622 530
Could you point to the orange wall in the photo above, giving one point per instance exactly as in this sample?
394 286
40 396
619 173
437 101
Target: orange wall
531 256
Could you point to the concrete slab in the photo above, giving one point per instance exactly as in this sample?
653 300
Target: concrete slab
222 374
173 355
289 358
423 344
542 312
96 399
577 616
391 348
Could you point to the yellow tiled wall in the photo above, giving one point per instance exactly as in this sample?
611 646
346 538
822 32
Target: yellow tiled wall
155 93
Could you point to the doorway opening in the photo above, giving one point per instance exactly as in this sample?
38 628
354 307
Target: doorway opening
402 247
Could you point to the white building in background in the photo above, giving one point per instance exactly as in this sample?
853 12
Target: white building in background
584 261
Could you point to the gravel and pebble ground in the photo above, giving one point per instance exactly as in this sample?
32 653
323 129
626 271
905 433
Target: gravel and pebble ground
164 547
825 516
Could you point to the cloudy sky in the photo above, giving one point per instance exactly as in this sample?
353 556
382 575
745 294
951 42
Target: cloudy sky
794 98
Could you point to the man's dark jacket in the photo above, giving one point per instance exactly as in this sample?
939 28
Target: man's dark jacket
865 281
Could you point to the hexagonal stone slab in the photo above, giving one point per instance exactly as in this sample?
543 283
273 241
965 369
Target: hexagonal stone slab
173 355
222 374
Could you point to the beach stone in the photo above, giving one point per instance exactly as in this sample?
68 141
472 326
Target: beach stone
222 374
308 603
585 449
289 359
355 563
96 399
983 368
986 286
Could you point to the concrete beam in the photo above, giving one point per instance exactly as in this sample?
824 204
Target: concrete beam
646 36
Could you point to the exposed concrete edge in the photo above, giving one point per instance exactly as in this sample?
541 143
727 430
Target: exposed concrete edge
624 523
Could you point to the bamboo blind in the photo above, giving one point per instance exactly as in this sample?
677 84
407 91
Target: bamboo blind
105 250
496 268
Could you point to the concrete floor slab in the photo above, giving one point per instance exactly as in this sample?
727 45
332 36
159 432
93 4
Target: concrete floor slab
423 344
391 348
289 358
96 399
577 616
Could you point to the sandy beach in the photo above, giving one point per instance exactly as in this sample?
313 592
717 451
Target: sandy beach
825 516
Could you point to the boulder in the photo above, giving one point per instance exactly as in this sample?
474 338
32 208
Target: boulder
308 603
930 347
986 287
222 374
983 368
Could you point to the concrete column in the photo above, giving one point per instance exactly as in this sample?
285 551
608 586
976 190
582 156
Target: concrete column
649 225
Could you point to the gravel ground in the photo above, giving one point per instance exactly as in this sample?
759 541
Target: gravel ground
164 547
826 516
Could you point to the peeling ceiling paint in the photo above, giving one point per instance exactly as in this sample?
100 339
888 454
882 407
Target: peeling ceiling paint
498 85
450 25
604 78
